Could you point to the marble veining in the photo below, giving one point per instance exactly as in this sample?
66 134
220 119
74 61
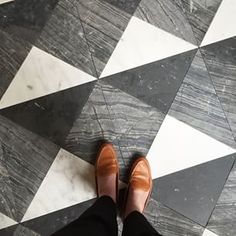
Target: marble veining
25 19
200 14
166 15
13 52
169 222
220 60
24 161
103 24
63 36
223 218
156 83
197 104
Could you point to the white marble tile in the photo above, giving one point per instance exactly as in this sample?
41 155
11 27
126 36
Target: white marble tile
6 221
178 146
223 24
69 181
142 43
5 1
42 74
208 233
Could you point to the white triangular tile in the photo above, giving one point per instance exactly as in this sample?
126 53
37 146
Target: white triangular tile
143 43
208 233
5 221
42 74
223 24
5 1
69 181
178 146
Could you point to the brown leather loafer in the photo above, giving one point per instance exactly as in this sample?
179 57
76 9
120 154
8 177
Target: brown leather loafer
106 164
140 179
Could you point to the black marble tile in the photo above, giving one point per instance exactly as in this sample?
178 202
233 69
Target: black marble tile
13 51
193 192
51 116
155 83
167 15
200 14
50 223
115 116
103 25
125 5
63 37
220 60
197 104
170 223
223 218
25 18
24 161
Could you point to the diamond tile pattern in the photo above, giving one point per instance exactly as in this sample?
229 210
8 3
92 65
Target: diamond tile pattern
155 78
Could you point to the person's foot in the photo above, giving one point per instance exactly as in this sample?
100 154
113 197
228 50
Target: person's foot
139 187
107 170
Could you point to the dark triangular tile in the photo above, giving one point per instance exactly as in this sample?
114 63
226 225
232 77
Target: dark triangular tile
9 231
167 15
49 224
24 161
200 15
194 192
156 83
13 52
197 104
51 116
113 115
25 18
103 25
223 218
63 36
220 60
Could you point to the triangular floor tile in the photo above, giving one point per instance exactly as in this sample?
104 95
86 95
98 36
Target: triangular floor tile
194 192
143 43
167 15
156 83
69 181
208 233
200 15
6 221
9 231
5 1
223 218
222 26
48 224
220 60
42 74
51 116
197 104
178 146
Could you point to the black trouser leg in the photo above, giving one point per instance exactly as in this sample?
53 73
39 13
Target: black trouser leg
99 219
136 224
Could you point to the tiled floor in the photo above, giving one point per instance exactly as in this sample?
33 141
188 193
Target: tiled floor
156 77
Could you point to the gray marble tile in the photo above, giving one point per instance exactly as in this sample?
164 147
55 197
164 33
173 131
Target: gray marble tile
13 51
115 116
223 218
220 60
8 231
155 83
200 14
63 37
193 192
103 25
50 223
23 231
170 223
25 18
166 15
24 161
51 116
197 104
